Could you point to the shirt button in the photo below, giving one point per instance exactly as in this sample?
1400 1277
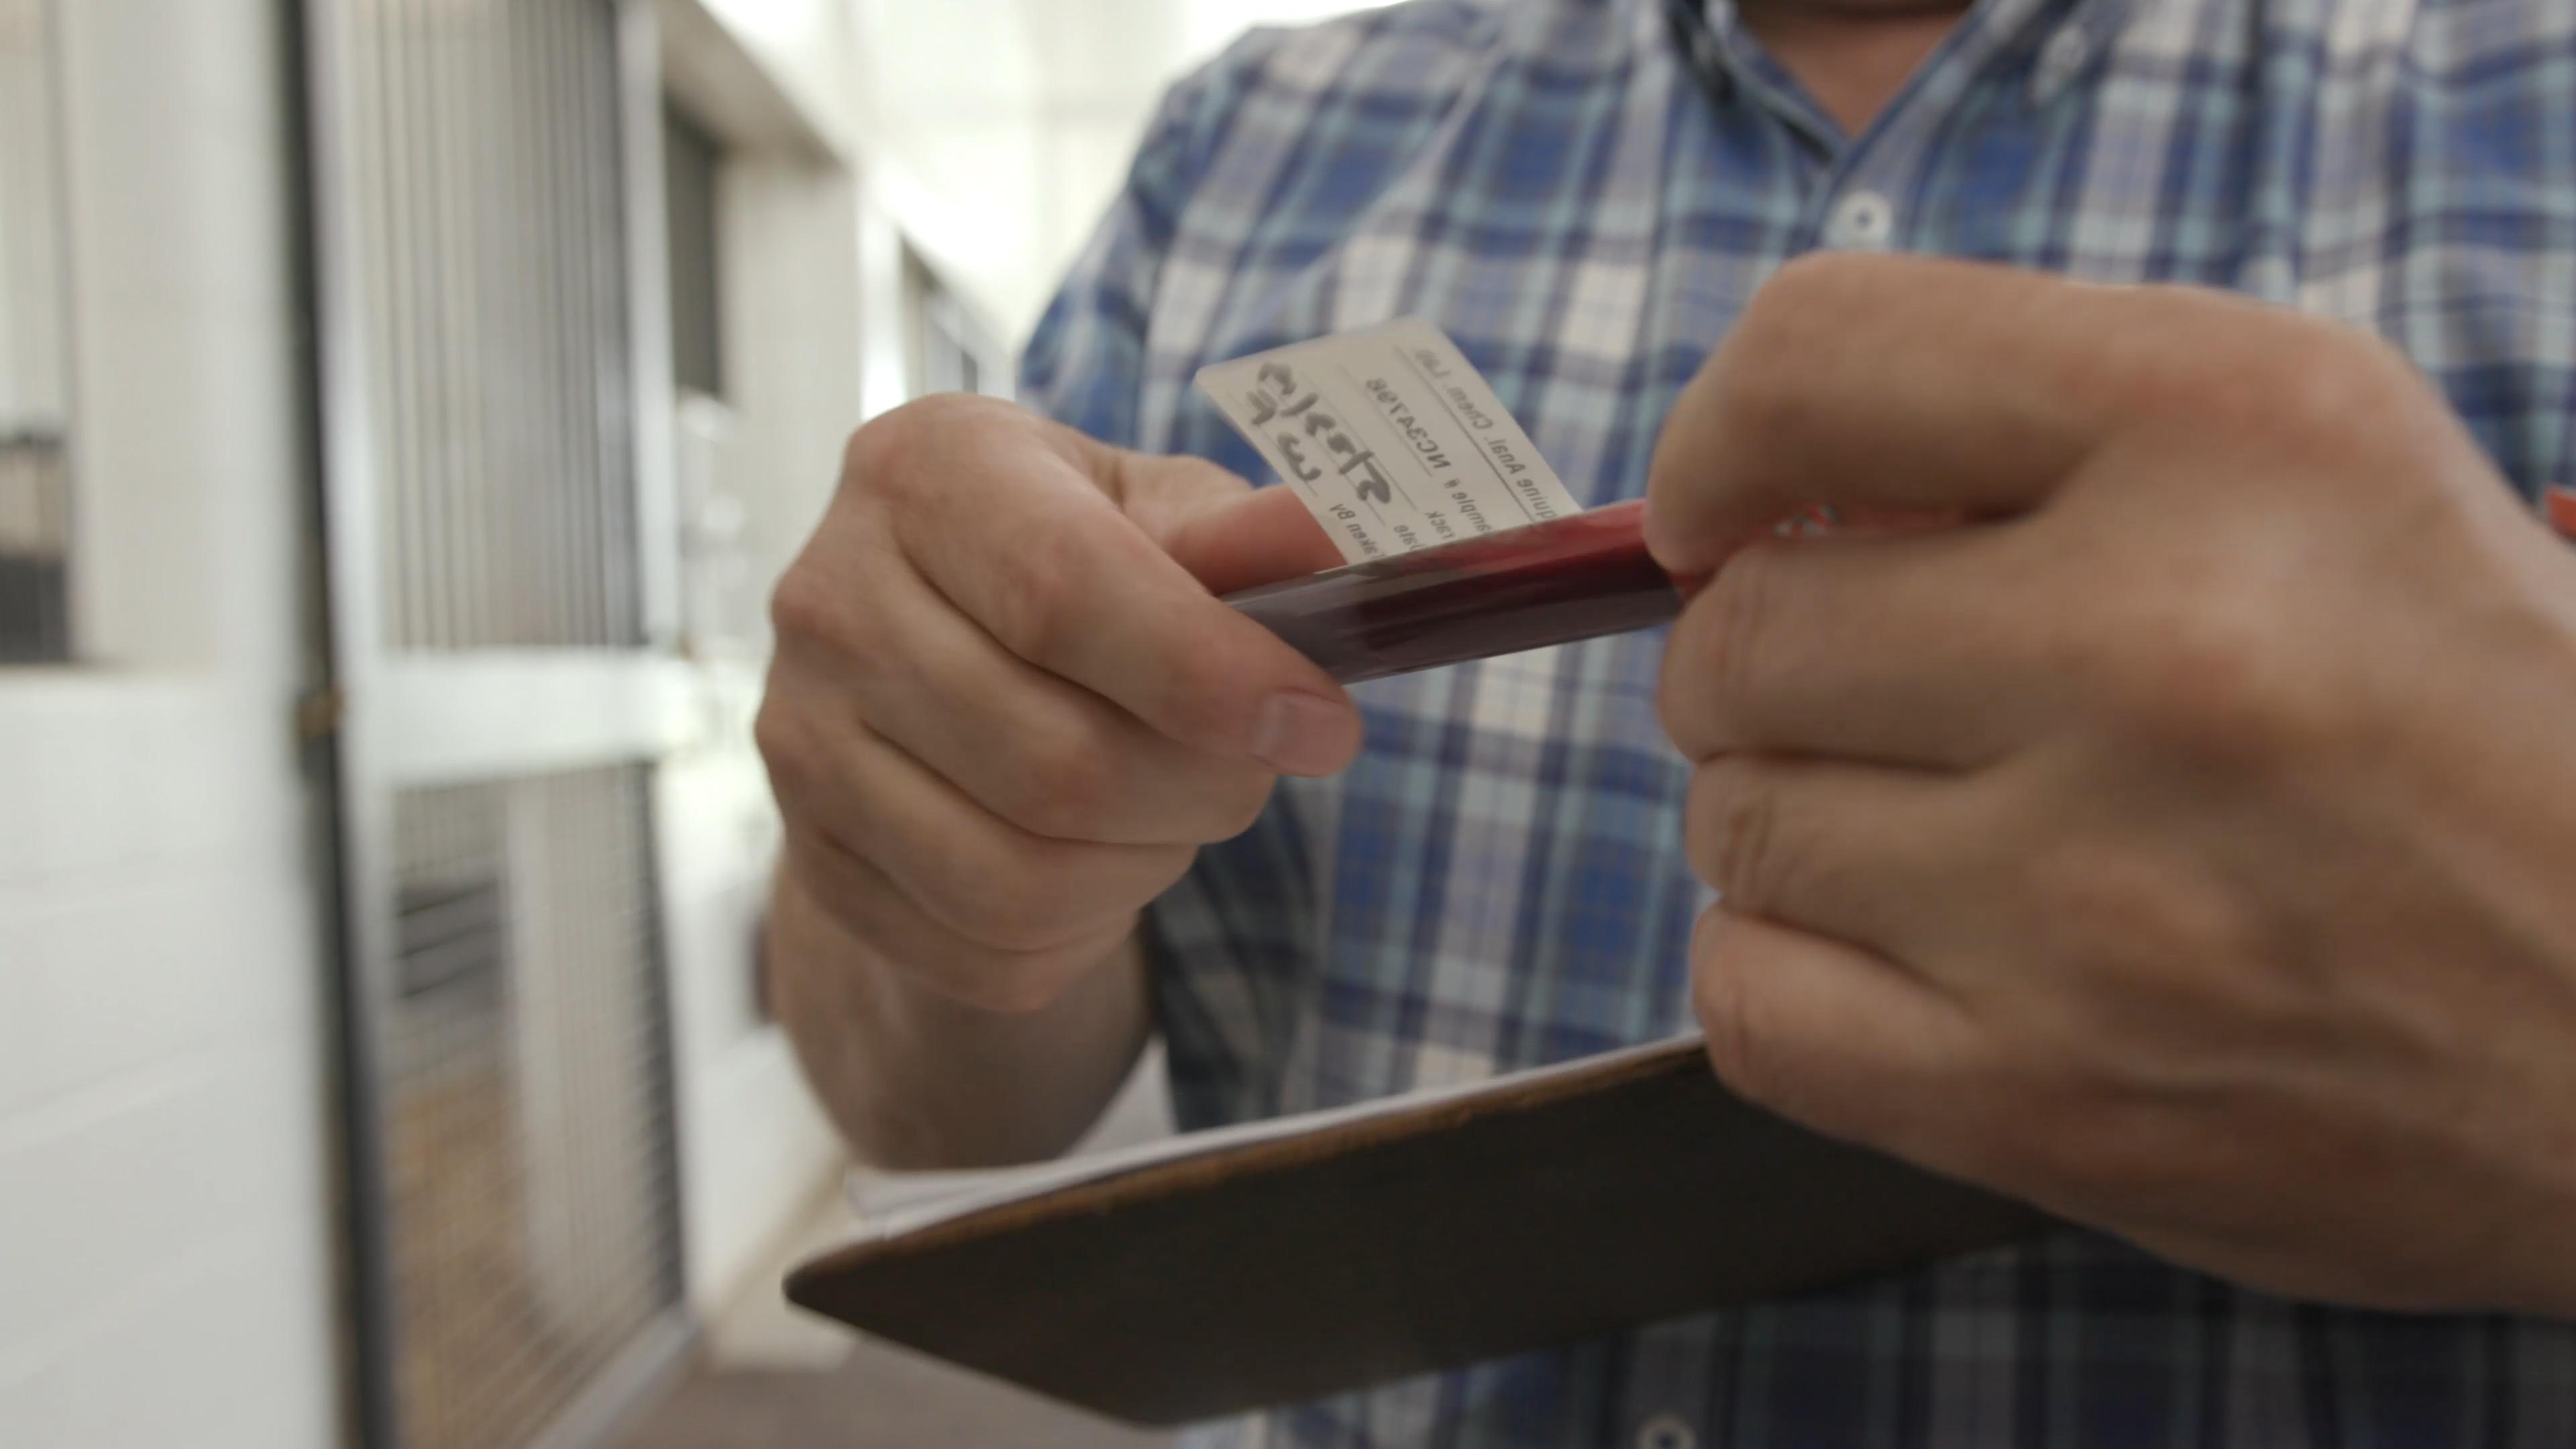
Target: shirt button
1864 219
1667 1431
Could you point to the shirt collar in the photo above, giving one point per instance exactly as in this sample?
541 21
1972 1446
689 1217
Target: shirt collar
1716 44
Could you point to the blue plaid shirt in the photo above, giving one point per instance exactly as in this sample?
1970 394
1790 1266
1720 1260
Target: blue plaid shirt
1585 195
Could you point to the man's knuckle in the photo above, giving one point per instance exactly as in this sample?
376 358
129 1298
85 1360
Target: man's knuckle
1744 614
776 735
881 453
898 450
1727 1007
807 605
1031 590
1063 780
794 753
2338 389
1719 654
1766 397
820 867
1678 698
867 453
853 906
1738 822
1769 363
2213 679
1809 289
949 876
2291 384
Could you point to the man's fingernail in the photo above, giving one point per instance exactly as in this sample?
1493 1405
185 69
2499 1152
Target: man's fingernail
1301 734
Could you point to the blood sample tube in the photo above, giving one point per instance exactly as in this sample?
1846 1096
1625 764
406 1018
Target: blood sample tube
1549 583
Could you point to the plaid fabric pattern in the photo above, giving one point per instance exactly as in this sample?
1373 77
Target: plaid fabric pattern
1584 195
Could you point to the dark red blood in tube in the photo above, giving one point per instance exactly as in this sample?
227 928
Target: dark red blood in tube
1549 583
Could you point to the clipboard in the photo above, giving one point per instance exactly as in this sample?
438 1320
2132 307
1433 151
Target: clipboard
1308 1256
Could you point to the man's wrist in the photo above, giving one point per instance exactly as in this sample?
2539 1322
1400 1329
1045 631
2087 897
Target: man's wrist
917 1077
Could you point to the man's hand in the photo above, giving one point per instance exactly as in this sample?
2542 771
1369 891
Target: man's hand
2187 840
1006 709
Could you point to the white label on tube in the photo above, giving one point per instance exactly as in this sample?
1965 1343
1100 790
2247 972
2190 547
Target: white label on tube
1392 439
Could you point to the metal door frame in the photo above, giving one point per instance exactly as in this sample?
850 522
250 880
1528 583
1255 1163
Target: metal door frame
389 720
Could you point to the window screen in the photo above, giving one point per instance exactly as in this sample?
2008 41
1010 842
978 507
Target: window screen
528 1133
487 157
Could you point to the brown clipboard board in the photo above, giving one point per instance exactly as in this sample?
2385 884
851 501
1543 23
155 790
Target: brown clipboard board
1470 1227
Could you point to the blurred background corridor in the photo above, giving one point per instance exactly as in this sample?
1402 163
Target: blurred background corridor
404 407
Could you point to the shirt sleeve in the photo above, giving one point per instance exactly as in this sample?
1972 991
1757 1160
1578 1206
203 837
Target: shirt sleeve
1232 945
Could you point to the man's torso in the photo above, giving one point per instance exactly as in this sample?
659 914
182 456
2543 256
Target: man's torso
1585 196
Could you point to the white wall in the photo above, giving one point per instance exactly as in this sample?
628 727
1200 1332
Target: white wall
996 131
802 50
164 1225
789 239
